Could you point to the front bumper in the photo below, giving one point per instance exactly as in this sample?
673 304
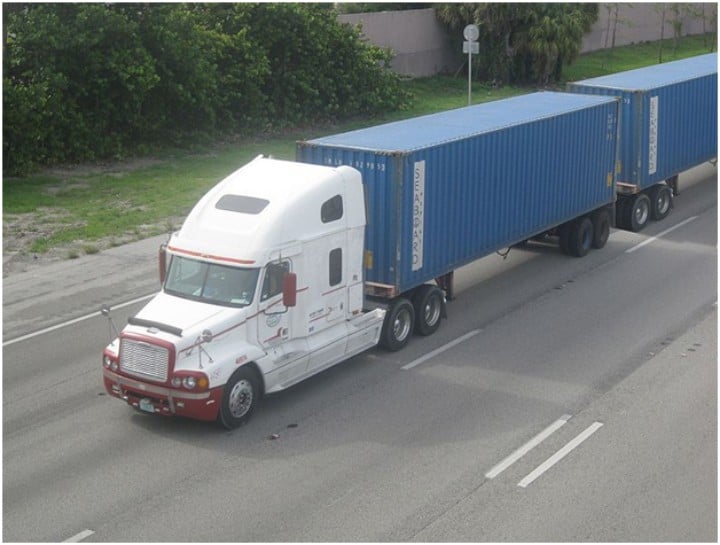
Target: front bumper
161 400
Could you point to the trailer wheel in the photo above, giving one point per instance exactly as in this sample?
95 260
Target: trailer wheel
428 304
637 213
240 396
398 324
661 201
601 228
581 237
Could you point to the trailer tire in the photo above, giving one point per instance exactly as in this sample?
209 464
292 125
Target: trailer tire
240 397
581 237
428 303
661 201
601 228
637 213
398 325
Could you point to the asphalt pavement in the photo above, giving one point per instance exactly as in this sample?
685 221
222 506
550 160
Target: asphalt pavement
395 446
53 293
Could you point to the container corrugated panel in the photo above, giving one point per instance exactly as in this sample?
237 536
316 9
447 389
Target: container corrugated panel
445 189
669 117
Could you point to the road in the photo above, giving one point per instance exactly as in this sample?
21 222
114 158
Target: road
606 366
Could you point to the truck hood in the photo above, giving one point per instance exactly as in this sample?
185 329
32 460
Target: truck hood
184 317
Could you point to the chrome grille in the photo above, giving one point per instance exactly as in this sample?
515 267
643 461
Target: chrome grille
144 359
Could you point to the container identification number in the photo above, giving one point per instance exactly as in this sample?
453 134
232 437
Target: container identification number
418 215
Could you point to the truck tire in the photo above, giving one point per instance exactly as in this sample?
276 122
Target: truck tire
661 201
240 396
637 213
601 228
580 239
428 303
398 324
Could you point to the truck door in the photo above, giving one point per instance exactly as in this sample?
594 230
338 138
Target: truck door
273 318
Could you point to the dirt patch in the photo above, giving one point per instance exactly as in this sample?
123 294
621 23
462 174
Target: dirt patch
21 232
19 258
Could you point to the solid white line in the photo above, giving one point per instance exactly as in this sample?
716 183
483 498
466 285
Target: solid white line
660 235
79 537
73 321
560 454
440 350
527 447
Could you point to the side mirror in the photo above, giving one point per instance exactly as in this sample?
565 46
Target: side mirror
290 289
162 262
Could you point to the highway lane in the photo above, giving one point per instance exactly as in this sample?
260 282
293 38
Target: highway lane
626 482
368 450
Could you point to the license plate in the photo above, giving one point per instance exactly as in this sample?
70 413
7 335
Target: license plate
146 405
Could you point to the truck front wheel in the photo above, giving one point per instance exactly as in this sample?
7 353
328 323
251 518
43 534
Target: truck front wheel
240 396
398 324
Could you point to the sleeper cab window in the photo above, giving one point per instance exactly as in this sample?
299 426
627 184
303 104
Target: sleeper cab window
332 209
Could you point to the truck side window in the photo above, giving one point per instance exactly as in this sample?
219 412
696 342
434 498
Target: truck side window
332 209
273 282
335 266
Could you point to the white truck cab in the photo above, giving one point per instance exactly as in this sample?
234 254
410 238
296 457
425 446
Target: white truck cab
263 288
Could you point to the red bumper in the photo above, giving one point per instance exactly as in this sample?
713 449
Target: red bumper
161 400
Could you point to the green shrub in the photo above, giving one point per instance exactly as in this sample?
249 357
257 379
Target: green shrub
96 81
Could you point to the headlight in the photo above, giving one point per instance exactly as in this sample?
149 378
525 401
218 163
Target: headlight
176 382
110 363
189 382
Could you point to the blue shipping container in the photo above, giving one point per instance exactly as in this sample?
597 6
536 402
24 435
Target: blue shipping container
445 189
669 117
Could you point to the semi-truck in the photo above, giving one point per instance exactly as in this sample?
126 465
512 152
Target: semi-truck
286 268
668 125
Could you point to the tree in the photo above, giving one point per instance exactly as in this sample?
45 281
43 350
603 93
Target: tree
102 80
662 8
613 18
522 42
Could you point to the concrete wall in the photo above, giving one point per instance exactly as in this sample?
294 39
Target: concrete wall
641 23
422 47
419 41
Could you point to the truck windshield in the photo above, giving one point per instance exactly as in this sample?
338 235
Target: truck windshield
211 283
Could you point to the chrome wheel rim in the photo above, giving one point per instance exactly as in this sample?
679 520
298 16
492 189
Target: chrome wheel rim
663 202
641 212
431 312
241 398
401 325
